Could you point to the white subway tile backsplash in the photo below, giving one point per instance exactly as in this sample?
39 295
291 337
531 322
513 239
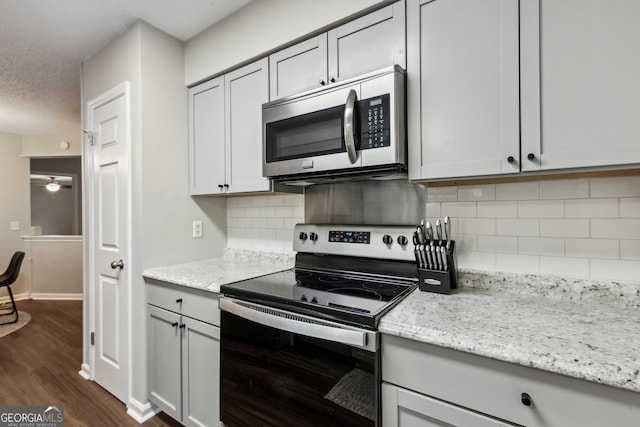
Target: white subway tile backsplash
592 248
459 209
267 212
474 193
498 209
630 249
623 186
466 243
294 200
498 244
517 191
277 223
284 211
541 209
260 202
630 207
434 210
615 269
477 261
442 194
245 202
564 227
564 189
623 228
560 266
518 263
591 208
261 222
518 227
551 246
276 200
479 226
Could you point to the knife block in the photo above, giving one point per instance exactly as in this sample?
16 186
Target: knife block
440 281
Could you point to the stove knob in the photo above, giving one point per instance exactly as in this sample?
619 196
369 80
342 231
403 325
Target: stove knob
403 240
303 298
387 240
302 236
314 300
313 236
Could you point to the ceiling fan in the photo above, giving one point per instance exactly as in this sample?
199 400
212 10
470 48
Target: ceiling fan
52 183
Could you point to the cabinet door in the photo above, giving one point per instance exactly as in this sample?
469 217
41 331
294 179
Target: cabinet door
164 360
200 373
246 89
206 138
463 89
298 68
372 42
580 85
404 408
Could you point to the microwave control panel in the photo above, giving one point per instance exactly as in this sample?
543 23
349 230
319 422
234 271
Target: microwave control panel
374 122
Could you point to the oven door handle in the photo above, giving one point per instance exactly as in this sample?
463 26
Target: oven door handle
349 127
300 324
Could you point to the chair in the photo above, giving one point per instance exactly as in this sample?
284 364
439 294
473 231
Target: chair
8 277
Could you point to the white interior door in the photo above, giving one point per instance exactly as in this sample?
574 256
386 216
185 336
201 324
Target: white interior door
108 120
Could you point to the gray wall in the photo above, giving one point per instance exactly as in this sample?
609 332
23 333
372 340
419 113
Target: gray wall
14 202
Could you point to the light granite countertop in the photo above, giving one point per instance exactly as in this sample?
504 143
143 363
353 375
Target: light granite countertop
583 329
233 266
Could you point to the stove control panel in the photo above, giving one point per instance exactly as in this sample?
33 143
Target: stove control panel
371 241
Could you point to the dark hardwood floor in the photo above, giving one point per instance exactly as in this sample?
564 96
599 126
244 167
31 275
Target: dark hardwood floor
39 365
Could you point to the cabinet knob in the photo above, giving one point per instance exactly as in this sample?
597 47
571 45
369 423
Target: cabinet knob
182 326
174 324
226 186
179 301
526 399
322 83
332 80
220 186
531 156
511 159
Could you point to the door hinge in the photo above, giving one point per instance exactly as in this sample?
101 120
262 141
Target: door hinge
93 338
89 135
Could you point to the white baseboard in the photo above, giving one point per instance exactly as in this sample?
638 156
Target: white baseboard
60 297
141 412
85 371
42 296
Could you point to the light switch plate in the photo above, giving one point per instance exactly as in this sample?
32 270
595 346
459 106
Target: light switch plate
197 229
15 225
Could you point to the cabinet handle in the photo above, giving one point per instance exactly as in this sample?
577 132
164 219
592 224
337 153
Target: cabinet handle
179 301
182 326
322 83
511 159
220 186
226 186
174 324
531 156
526 399
332 80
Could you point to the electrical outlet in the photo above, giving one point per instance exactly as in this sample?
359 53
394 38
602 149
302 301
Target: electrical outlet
197 229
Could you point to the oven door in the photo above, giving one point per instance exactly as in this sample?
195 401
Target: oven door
283 369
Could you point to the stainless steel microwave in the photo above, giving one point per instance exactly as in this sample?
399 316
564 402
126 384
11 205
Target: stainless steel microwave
350 128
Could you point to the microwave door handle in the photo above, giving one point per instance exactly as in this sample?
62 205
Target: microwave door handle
349 128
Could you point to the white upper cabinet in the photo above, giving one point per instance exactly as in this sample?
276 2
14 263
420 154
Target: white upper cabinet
298 68
246 89
369 43
462 88
225 132
580 84
206 138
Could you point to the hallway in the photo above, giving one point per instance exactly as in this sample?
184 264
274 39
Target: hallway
39 365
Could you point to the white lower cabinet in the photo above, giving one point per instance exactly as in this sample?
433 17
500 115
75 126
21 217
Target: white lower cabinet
405 408
183 355
426 385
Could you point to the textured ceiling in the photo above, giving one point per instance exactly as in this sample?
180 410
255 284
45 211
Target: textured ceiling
42 43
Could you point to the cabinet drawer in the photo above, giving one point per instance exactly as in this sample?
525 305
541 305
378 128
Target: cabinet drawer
195 303
496 388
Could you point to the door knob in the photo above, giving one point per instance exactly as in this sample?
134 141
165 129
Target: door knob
117 264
